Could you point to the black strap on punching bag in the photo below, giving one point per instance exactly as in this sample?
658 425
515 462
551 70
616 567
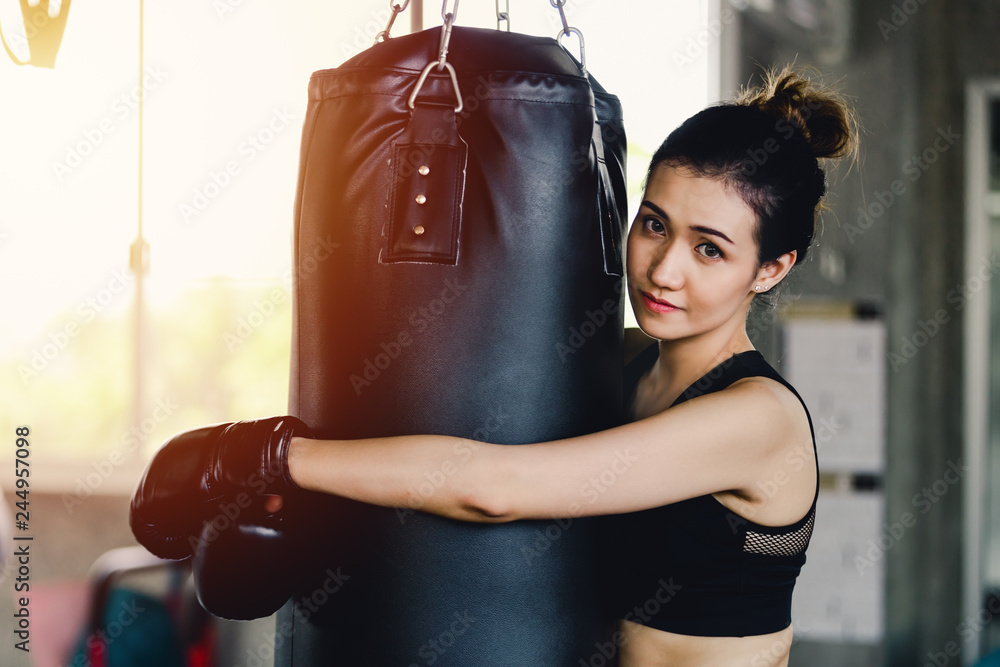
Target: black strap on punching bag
458 271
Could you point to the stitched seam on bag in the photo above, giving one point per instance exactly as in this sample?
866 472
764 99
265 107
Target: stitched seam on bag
585 105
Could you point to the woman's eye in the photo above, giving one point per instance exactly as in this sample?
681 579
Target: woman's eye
653 225
709 250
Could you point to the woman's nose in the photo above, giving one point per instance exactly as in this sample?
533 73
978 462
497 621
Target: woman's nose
666 267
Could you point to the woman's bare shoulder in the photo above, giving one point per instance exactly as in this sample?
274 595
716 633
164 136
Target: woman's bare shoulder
635 342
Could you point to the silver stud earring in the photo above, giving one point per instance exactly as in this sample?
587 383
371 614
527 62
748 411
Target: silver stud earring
756 288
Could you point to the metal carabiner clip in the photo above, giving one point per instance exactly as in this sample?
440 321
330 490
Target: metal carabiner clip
567 30
396 9
583 50
503 16
449 21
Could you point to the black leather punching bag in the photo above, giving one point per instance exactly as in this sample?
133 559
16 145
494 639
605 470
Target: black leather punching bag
457 273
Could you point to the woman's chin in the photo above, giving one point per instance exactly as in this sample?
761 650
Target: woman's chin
654 329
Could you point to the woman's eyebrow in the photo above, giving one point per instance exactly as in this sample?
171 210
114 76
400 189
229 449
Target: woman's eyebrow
712 232
655 209
698 228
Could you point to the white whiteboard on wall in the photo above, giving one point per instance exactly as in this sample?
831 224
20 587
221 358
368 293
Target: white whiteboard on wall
838 367
840 594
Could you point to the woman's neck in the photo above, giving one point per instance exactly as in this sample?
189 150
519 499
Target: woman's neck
683 362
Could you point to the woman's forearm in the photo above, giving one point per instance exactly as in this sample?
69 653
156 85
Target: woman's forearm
636 466
443 475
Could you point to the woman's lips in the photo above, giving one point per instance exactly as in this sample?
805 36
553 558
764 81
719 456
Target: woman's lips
658 305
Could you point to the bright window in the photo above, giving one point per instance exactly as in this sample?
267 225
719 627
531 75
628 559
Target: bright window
225 95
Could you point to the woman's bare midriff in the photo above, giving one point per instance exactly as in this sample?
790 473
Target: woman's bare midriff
648 647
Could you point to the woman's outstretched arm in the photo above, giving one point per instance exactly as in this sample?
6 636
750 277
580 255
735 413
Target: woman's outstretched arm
725 441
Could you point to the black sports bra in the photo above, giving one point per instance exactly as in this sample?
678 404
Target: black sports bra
696 567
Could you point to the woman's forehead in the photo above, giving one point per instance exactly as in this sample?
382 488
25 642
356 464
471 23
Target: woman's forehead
692 200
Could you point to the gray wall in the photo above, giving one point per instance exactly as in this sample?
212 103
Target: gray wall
908 85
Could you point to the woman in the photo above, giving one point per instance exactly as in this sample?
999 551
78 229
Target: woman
718 443
719 454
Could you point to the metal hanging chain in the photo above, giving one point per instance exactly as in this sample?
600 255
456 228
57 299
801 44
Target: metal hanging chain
442 62
449 21
567 30
559 4
503 17
445 13
396 9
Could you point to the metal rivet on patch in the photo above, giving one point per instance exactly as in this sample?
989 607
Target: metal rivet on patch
424 170
418 230
420 199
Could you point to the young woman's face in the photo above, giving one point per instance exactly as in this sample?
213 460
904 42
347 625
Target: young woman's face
692 258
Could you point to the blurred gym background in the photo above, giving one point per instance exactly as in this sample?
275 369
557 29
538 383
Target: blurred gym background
149 161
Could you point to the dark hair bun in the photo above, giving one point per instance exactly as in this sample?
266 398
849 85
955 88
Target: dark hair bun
823 119
768 145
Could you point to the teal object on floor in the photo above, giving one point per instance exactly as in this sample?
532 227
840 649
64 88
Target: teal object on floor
138 631
992 660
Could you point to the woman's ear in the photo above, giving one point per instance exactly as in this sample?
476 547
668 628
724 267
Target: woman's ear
771 273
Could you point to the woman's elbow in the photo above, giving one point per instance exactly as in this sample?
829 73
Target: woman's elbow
484 491
482 506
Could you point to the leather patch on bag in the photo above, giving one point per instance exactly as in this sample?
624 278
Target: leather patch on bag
427 189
